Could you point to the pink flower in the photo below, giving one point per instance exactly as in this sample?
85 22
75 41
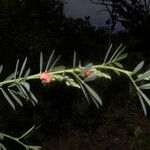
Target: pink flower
45 77
88 73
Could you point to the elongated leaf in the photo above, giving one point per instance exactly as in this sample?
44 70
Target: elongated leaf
16 69
123 56
16 98
22 68
41 62
49 61
55 62
93 93
107 54
22 91
95 102
74 60
113 56
1 137
145 86
27 73
119 65
1 69
33 97
138 67
35 147
58 68
145 97
11 76
8 99
87 67
2 147
27 132
143 105
84 92
92 77
26 85
143 76
119 53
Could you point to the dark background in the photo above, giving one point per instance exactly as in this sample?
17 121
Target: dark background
67 121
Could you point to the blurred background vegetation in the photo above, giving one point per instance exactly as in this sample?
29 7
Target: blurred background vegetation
67 121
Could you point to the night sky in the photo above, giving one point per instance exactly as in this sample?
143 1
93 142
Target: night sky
82 8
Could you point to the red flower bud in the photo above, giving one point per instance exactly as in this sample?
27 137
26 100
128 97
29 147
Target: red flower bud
45 77
88 73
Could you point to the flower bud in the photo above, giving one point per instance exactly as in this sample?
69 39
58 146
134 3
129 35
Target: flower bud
45 77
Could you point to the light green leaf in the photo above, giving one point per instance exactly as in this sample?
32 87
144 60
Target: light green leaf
16 69
2 147
1 69
95 102
93 93
55 62
27 132
26 85
35 147
74 60
119 53
113 56
138 67
1 137
119 65
143 76
143 105
145 97
41 62
145 86
84 92
8 99
22 68
33 97
27 73
87 67
58 68
49 61
15 98
107 54
11 76
123 56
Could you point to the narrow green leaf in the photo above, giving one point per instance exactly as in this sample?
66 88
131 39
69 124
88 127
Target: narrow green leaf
27 73
16 69
84 92
119 53
33 97
27 132
143 105
143 76
1 69
74 60
22 68
35 147
2 147
8 99
20 92
123 56
23 91
93 93
145 97
92 77
49 61
1 137
11 76
145 86
55 62
26 85
138 67
41 62
105 59
95 102
16 98
119 65
113 56
58 68
87 67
